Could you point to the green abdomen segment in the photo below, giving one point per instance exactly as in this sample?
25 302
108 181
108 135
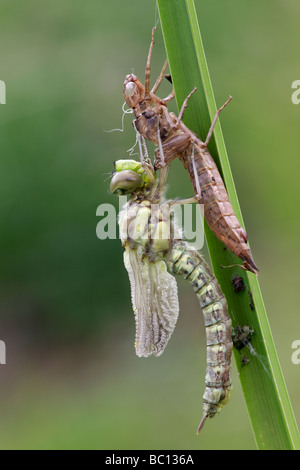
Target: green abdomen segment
187 262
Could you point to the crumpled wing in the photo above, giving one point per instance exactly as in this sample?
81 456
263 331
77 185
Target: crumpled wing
155 303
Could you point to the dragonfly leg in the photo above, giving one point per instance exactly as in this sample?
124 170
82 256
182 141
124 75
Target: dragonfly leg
169 98
160 78
148 68
184 106
164 169
145 155
144 158
196 177
214 122
181 202
244 266
197 196
168 116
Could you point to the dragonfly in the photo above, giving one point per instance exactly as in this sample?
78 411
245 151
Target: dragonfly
173 139
153 252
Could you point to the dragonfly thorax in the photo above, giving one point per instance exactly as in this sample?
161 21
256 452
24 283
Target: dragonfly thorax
144 224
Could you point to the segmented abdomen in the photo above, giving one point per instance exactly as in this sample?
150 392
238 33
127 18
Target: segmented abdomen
218 210
187 262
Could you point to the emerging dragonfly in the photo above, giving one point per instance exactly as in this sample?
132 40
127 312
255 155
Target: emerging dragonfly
174 139
149 248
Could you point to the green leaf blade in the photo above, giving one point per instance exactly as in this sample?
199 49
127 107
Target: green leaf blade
263 385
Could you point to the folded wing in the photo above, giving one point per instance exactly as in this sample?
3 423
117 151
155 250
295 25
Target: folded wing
155 302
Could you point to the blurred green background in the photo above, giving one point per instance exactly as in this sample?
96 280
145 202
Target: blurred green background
72 380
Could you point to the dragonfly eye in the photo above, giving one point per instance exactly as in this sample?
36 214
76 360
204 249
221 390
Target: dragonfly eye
131 88
125 182
132 94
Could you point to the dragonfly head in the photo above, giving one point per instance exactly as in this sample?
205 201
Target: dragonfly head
128 177
133 91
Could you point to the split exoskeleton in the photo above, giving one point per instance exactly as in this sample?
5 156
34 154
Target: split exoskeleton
174 140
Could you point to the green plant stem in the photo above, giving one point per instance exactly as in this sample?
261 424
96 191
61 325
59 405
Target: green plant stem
263 385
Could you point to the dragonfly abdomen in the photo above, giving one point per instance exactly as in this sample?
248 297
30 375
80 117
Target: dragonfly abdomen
187 262
218 210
